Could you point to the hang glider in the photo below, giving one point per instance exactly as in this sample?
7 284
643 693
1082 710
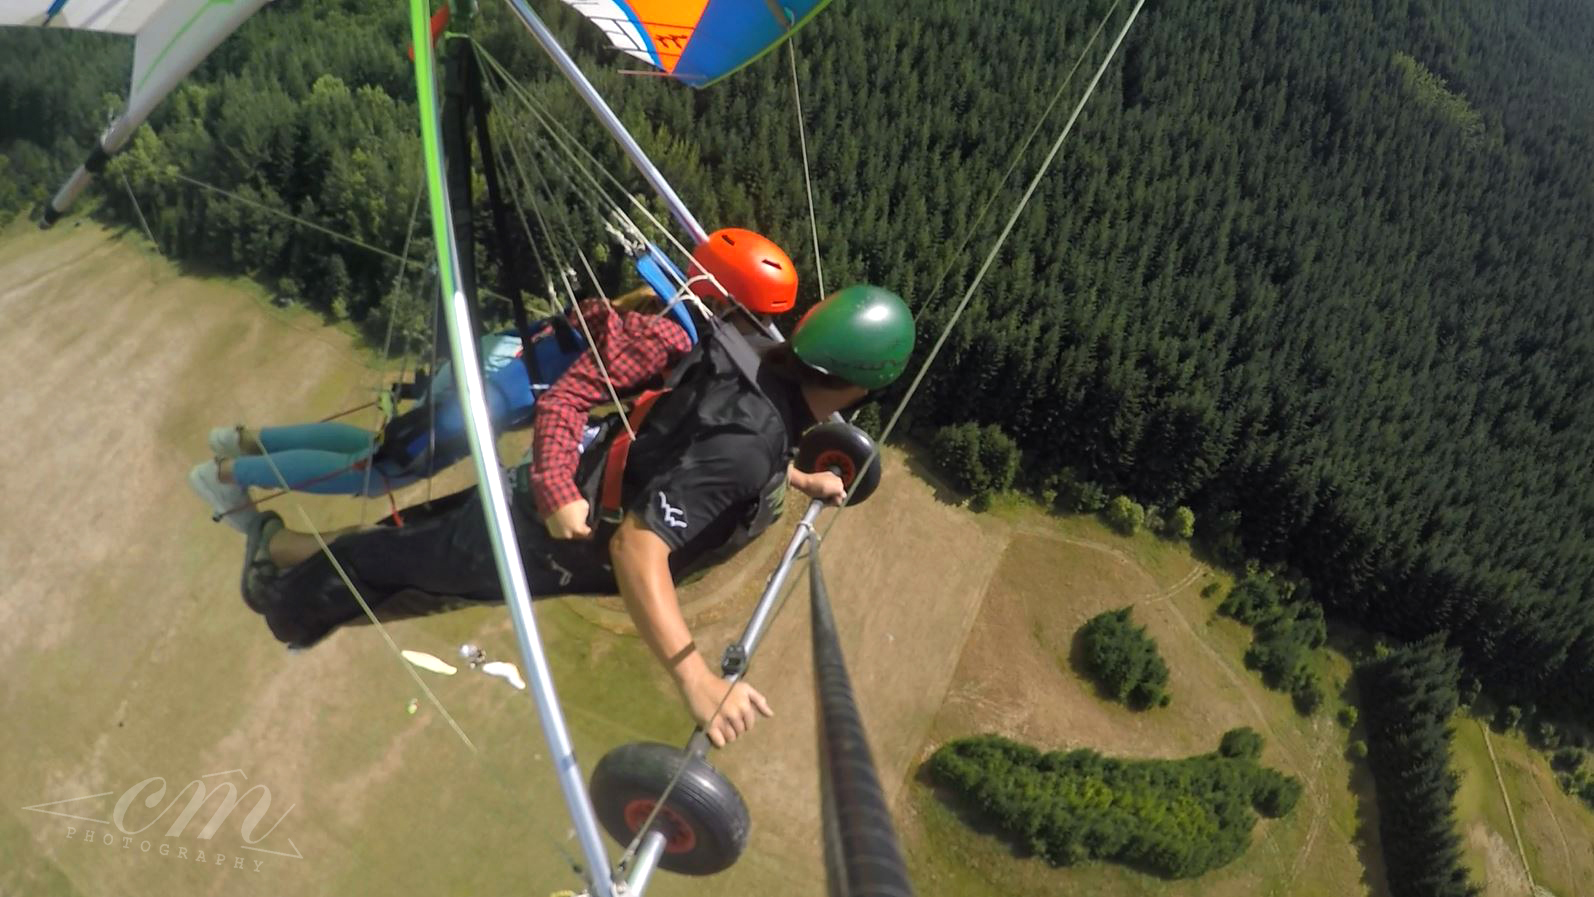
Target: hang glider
697 42
170 37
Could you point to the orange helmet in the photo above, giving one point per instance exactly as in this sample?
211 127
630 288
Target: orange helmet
751 268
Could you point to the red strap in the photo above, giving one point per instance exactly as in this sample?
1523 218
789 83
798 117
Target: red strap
619 450
439 22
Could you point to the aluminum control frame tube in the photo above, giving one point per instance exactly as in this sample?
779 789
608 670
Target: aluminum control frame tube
652 847
490 479
609 120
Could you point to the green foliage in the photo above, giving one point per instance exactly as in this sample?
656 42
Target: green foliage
1210 589
1175 818
1410 696
868 419
1180 524
1244 743
1125 515
1509 717
1286 629
1072 493
1546 735
980 460
1358 749
1567 759
1431 92
1124 660
1347 716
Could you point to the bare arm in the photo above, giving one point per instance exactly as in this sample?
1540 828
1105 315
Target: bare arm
642 569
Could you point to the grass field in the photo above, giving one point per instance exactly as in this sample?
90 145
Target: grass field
1016 678
1555 828
130 654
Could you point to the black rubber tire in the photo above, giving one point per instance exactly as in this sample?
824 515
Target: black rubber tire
845 447
704 818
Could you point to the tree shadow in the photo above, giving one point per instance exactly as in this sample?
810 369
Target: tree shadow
1366 839
1369 846
912 455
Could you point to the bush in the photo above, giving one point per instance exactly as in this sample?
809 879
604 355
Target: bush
867 418
1347 716
1358 750
1244 743
1125 515
1567 759
979 460
1286 628
1548 737
1276 798
1180 524
1176 818
1508 718
1124 660
1210 589
1307 696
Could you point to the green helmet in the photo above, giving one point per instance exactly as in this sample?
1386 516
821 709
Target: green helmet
862 334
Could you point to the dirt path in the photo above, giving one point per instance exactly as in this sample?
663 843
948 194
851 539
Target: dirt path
1505 798
1566 846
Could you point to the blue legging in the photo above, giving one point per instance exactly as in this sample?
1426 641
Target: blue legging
324 458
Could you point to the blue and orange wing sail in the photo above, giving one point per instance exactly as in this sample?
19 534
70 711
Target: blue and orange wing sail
697 42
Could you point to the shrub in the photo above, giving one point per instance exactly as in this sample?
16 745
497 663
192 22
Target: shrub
1567 759
868 419
1125 515
1244 743
1277 796
1548 737
1176 818
1358 750
1347 716
980 460
1180 524
1210 589
1124 660
1508 718
1286 628
1307 696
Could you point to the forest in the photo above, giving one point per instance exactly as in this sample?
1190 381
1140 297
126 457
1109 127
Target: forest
1410 699
1319 272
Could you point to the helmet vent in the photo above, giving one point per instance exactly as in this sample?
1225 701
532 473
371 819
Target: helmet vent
727 239
773 264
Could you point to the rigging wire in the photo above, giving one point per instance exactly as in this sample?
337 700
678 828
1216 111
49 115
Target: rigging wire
808 182
592 345
996 248
571 146
147 232
1012 221
312 225
1023 147
387 339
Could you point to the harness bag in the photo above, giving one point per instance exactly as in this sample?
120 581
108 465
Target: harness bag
658 414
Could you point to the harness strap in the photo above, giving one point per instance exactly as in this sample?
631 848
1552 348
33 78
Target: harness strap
619 450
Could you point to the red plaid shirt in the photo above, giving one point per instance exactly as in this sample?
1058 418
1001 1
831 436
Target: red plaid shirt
636 348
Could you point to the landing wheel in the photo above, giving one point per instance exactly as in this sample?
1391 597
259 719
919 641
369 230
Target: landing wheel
704 821
846 449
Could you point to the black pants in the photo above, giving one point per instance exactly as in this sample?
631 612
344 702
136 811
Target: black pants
442 551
